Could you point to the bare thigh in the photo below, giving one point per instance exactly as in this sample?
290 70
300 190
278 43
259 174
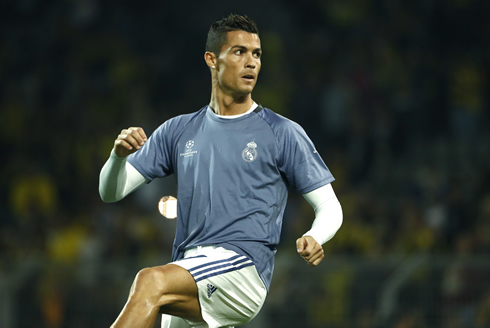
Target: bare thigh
177 291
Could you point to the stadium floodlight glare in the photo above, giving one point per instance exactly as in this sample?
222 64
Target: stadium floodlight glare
168 207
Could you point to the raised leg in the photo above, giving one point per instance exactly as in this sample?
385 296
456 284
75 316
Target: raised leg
167 289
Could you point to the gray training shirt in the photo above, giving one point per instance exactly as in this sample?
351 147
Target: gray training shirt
232 177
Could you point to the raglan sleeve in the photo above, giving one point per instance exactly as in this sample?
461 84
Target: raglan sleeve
299 161
154 159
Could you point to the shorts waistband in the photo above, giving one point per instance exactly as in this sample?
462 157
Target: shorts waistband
198 250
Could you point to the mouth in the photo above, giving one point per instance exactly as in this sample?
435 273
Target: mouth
248 77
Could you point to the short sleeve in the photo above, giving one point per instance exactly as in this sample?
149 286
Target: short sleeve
299 160
154 159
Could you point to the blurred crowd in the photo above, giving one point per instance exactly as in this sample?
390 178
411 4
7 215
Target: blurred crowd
393 93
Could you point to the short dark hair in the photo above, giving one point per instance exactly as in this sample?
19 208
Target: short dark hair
217 35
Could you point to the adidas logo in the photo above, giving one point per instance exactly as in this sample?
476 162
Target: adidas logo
211 290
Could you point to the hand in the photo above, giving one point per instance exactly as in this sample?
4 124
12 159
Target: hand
129 141
310 250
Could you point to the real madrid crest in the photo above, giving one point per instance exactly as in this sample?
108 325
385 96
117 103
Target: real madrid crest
249 154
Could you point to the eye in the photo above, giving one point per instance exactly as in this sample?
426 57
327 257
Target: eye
257 54
238 52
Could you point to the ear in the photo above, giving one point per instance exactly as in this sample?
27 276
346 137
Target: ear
211 60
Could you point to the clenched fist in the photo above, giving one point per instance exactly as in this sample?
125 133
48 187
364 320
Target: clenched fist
129 141
310 250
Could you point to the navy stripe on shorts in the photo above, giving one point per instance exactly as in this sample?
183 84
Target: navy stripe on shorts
215 268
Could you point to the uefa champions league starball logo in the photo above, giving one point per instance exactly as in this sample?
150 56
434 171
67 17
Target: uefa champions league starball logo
249 154
189 152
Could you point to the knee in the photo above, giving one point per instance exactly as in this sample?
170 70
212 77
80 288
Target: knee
148 282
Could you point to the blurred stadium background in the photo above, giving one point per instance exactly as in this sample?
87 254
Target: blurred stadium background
393 93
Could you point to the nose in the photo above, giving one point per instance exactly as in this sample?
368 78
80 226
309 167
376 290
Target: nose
251 62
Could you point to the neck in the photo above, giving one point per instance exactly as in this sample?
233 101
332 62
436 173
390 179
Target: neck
224 104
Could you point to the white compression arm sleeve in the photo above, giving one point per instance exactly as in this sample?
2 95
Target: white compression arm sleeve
328 213
118 178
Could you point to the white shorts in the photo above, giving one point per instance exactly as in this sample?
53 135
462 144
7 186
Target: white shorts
230 290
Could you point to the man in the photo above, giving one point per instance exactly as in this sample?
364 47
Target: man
233 161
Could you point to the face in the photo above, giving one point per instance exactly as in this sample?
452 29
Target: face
238 64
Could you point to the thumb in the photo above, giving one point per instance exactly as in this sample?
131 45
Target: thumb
301 244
